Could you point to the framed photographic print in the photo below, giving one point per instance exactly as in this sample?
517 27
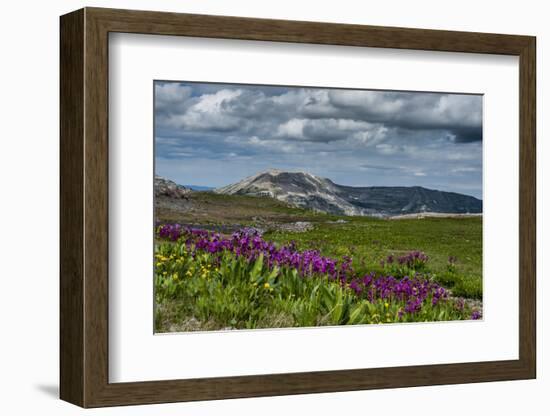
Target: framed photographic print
255 207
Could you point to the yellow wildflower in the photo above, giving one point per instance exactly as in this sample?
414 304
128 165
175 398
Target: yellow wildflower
266 285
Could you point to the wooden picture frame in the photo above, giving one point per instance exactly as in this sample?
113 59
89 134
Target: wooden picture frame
84 207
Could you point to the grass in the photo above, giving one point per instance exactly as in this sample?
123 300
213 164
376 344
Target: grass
370 240
228 299
211 208
201 290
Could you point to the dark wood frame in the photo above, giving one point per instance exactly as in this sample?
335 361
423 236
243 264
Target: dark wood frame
84 208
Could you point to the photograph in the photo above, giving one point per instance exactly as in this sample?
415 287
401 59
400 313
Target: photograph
282 206
241 198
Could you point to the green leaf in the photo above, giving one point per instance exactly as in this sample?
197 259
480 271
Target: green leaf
338 310
357 314
273 274
257 268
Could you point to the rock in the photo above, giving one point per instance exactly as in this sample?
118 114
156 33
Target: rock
166 187
296 227
474 304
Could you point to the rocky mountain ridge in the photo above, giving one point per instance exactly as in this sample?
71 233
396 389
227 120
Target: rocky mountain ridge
305 190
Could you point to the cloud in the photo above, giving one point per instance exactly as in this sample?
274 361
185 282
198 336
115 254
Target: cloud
316 114
467 134
380 167
171 98
355 137
454 113
329 130
389 149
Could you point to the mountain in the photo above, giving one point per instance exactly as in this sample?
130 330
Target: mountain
321 194
199 187
295 188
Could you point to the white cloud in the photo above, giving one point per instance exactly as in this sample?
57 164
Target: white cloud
293 129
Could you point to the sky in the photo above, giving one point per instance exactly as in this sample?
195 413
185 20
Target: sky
212 134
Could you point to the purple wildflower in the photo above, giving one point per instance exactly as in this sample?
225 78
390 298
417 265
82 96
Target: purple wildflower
476 315
249 244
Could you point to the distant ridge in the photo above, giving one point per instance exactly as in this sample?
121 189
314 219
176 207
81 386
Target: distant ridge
305 190
199 187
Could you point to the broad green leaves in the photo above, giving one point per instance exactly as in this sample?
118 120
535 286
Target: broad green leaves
223 290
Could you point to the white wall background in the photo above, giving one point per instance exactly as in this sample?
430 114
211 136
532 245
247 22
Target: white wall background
29 159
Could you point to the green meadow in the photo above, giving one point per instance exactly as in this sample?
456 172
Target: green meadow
198 290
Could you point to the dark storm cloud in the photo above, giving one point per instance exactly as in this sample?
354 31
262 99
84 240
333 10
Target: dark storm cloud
221 132
414 111
467 134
